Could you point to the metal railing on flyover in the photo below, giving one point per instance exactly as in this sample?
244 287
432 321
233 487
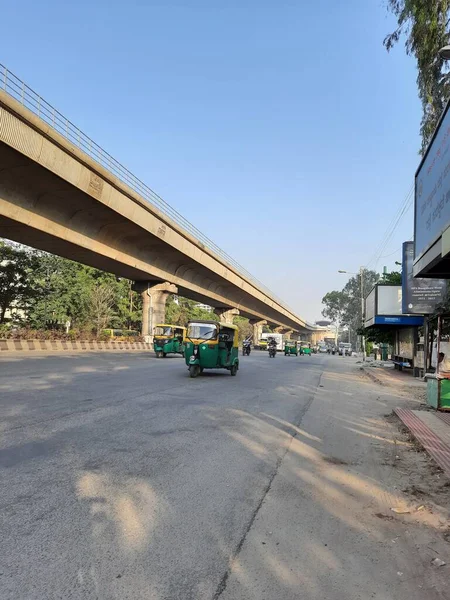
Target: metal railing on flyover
21 92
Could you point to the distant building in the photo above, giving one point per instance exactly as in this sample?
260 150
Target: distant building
204 307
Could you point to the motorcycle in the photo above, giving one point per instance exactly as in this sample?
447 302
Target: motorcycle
272 351
246 348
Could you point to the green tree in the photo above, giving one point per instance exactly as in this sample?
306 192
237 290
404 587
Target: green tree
425 26
66 293
351 317
335 303
393 278
182 310
245 329
16 286
64 287
101 302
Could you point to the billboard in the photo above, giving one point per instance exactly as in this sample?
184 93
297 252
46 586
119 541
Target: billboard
389 300
432 189
384 307
420 296
370 305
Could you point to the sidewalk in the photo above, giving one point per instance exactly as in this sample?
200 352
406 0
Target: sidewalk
354 511
431 429
400 381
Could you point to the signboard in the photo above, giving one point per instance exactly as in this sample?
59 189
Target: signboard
432 190
405 320
420 296
389 300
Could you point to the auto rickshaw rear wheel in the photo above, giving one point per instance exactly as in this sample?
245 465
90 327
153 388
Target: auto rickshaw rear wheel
233 370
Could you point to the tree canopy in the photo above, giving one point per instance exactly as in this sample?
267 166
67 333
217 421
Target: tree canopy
425 26
17 287
344 307
50 292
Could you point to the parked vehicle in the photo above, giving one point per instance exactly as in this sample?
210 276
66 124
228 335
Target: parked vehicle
211 345
290 348
246 347
345 349
168 339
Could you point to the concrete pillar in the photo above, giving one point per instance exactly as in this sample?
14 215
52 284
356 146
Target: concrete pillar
154 298
257 329
226 314
285 331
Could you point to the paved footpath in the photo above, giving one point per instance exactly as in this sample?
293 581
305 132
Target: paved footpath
122 478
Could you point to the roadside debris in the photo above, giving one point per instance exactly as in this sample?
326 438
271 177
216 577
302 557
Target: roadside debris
437 562
401 511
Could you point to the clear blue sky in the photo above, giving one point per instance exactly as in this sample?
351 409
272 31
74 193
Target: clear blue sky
288 118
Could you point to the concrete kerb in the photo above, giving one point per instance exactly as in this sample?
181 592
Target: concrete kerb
72 346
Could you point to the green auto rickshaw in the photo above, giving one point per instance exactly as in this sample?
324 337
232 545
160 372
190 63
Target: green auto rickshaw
305 349
168 339
290 347
211 345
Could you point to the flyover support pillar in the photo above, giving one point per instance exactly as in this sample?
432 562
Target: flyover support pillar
226 314
154 298
285 331
257 330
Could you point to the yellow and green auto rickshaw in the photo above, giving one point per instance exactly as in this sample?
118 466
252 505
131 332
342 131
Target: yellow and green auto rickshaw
168 339
211 345
290 347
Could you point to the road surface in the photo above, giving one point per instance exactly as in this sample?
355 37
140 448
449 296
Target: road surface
122 478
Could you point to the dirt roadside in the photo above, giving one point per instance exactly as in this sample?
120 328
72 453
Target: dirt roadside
356 510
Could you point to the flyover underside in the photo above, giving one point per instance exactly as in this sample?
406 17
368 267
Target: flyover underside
44 211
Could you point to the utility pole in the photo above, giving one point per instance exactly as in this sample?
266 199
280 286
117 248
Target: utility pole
361 285
363 340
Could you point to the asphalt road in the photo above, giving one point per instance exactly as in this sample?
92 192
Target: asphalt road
122 478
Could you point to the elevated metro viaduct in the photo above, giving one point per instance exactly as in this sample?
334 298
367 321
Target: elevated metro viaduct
61 193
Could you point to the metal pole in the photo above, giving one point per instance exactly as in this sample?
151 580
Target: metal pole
363 341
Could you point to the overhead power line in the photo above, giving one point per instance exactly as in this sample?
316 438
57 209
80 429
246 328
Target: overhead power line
401 211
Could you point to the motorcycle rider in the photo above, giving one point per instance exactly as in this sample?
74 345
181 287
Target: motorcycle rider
246 347
272 347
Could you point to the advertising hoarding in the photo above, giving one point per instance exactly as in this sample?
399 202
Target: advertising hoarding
370 305
384 307
432 190
420 296
389 301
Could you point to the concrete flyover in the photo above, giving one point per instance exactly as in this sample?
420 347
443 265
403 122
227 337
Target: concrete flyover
54 196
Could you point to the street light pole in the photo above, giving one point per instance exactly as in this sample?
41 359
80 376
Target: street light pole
363 339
